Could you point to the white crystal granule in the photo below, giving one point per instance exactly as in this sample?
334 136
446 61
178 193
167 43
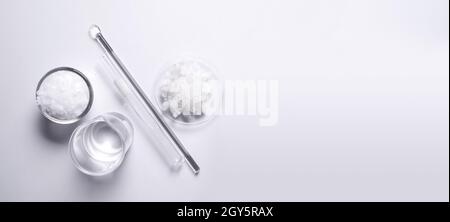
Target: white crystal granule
63 95
188 88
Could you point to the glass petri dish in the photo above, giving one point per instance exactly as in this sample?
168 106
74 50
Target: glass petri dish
187 106
79 77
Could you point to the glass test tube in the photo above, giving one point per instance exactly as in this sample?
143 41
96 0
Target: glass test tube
165 140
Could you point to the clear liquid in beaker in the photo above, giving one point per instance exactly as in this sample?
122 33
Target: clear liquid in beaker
99 146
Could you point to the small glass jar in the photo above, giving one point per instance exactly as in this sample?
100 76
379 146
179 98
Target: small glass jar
58 71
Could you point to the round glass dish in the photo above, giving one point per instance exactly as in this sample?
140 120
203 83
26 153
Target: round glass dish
196 105
64 70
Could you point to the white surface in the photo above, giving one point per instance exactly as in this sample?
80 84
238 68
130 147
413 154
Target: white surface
364 89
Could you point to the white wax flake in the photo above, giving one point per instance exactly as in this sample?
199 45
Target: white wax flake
187 89
63 95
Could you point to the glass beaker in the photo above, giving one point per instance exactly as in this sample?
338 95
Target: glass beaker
98 147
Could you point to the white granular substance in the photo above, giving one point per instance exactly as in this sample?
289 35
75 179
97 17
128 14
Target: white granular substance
188 88
63 95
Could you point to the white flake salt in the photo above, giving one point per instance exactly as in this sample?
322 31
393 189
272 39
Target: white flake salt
63 95
188 89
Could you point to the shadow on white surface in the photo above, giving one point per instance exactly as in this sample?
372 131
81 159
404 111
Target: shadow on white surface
54 132
98 188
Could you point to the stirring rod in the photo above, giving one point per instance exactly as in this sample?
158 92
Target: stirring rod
96 34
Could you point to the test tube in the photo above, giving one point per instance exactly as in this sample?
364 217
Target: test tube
165 140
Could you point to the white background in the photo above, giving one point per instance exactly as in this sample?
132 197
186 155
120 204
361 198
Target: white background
363 107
